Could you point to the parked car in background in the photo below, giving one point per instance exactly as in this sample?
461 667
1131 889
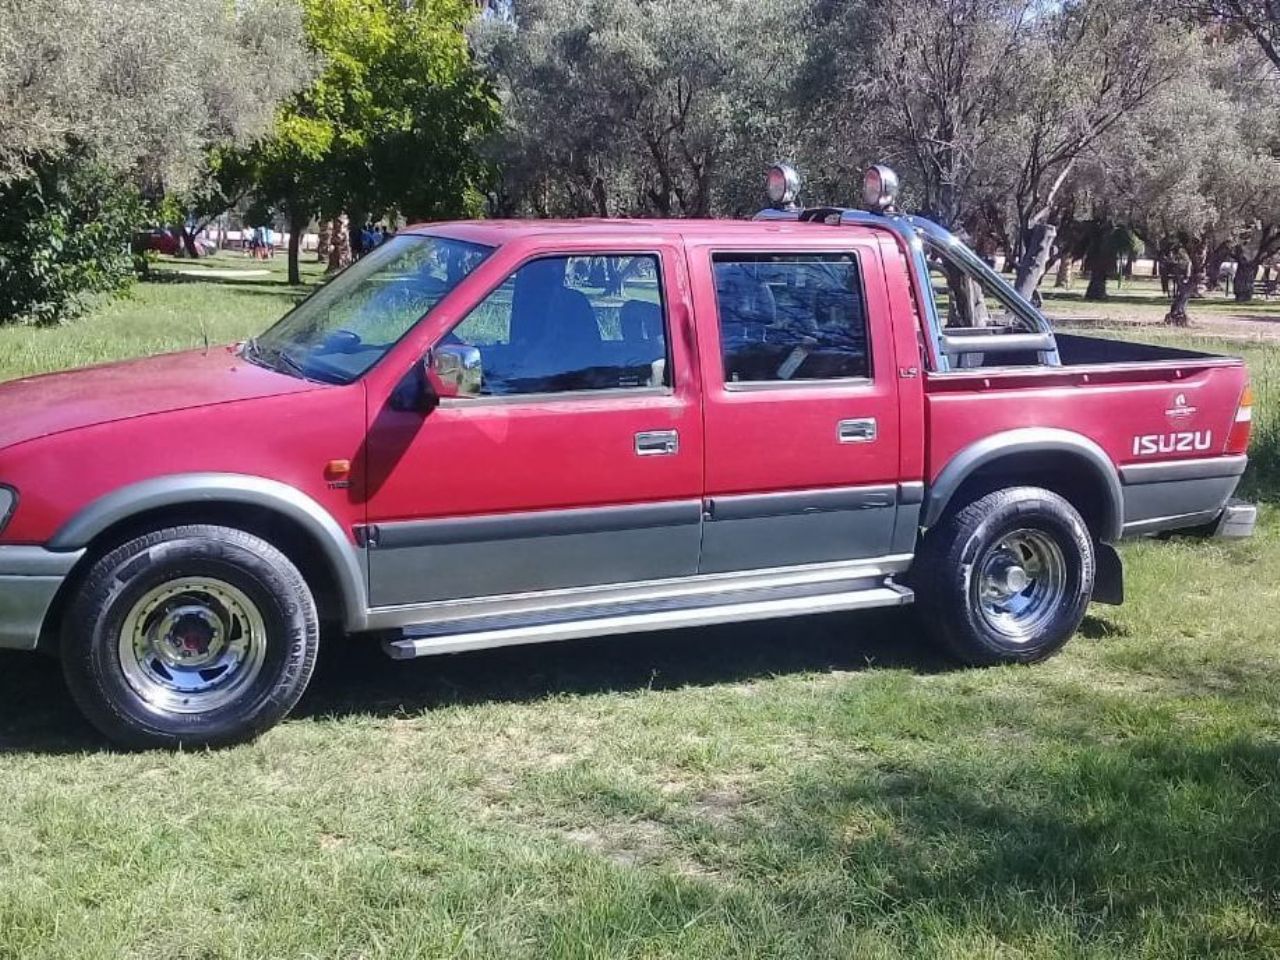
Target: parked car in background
166 241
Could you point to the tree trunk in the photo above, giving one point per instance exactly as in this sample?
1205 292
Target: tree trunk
340 245
1213 271
1188 285
189 242
1063 280
1246 277
1035 259
967 306
297 224
1177 315
1099 271
322 245
355 230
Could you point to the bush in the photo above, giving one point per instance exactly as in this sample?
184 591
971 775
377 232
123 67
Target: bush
65 236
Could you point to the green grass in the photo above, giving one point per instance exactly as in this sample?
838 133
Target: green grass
172 312
810 788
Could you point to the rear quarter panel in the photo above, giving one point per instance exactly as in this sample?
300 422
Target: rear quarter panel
1112 406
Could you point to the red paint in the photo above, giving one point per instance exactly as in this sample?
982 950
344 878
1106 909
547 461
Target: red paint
68 439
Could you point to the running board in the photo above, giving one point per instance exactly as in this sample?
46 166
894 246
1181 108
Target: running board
427 641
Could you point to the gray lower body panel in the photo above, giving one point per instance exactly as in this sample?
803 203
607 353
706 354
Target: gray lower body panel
29 580
1178 494
808 526
432 560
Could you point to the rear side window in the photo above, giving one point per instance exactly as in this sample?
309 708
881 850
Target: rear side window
561 324
791 317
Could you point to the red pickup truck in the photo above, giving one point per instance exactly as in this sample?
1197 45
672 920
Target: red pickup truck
490 433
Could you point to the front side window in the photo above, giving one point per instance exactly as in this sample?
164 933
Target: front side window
563 324
791 317
348 325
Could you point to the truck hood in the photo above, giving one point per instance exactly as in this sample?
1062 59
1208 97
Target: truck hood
53 403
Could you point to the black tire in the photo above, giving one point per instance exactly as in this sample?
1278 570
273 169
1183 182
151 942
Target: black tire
254 600
988 535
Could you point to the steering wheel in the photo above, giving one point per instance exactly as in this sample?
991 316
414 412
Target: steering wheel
341 341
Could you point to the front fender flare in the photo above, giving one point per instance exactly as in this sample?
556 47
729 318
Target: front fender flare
344 558
1023 442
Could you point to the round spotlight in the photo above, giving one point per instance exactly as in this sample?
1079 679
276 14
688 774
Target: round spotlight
783 185
879 188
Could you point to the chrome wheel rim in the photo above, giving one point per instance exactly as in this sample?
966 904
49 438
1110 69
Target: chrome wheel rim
1020 584
192 645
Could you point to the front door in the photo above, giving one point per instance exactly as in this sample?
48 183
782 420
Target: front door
580 461
801 407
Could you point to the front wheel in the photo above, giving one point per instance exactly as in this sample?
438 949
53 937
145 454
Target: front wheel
190 636
1007 578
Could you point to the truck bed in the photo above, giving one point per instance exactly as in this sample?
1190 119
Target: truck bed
1076 350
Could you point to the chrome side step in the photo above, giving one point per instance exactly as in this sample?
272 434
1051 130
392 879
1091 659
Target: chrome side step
431 640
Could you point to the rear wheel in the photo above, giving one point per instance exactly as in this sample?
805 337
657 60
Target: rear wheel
190 636
1007 578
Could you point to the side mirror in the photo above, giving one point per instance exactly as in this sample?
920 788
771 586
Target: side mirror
455 370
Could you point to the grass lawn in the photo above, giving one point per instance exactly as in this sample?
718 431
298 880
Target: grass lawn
825 787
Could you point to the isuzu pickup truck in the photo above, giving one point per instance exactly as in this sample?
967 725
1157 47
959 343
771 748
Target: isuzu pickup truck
498 432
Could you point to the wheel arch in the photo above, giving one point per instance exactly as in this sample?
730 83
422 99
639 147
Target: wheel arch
284 516
1069 464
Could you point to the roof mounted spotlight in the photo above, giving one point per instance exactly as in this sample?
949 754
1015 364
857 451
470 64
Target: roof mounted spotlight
783 186
879 188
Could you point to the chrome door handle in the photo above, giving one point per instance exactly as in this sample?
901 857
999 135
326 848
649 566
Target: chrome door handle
657 443
862 430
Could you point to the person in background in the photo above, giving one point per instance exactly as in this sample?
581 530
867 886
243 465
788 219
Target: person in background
268 243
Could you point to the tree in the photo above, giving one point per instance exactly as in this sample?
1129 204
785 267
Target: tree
988 105
1257 19
115 82
932 84
614 107
110 86
391 123
1089 66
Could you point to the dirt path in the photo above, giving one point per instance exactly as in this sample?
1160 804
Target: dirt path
1258 321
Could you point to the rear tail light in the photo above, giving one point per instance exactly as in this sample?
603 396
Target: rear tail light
1238 438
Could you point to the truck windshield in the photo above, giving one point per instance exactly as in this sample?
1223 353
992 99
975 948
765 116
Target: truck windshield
338 333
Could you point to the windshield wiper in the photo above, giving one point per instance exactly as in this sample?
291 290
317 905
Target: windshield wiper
283 359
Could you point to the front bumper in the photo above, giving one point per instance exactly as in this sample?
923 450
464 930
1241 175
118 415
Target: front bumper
29 581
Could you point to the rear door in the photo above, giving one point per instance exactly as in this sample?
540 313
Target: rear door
581 462
801 418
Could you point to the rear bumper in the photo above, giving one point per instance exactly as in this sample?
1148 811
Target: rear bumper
29 580
1178 494
1237 520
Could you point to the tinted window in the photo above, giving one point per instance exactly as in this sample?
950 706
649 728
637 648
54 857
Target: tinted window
571 323
791 317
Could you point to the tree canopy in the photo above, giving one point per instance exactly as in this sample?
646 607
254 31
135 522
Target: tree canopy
390 123
142 88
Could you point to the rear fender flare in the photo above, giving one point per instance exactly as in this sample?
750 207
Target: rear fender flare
1027 442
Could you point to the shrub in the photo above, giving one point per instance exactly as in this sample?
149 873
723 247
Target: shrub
65 234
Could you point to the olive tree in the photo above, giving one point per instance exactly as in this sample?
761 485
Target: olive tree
1202 183
659 107
143 88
